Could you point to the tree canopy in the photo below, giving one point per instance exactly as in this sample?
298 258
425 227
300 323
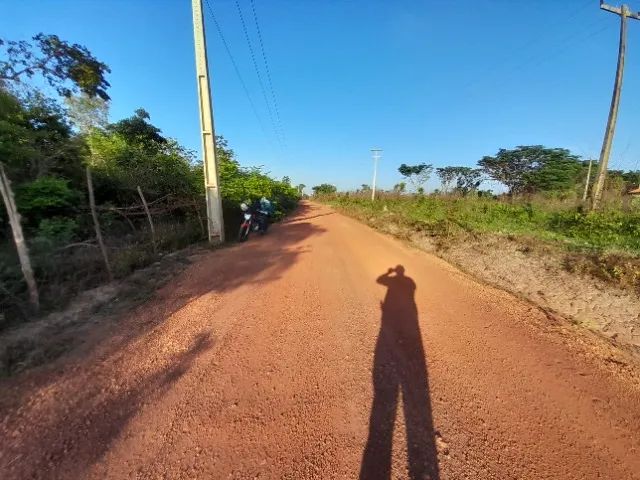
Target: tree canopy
66 67
533 168
324 189
416 175
466 179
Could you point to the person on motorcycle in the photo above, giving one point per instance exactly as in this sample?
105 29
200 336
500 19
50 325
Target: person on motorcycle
261 208
260 213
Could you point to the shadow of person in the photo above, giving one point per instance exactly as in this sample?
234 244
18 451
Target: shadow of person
399 365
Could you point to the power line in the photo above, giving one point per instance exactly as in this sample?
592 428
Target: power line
235 67
536 60
268 70
255 66
512 53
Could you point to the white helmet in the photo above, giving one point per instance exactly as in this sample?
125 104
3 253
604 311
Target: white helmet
244 207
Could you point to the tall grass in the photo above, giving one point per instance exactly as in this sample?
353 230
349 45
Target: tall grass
556 221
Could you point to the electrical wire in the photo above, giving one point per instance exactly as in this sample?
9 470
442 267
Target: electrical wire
268 71
257 70
235 67
512 53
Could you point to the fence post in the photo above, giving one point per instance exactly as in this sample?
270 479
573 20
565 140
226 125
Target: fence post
146 209
96 224
18 238
200 218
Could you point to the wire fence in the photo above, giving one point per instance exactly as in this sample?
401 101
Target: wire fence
66 262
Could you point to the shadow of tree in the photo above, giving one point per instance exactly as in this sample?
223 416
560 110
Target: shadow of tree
79 410
98 426
399 366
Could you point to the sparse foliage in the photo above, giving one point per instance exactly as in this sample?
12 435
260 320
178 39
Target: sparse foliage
466 179
66 67
416 175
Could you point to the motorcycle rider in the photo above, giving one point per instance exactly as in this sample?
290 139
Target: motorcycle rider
263 209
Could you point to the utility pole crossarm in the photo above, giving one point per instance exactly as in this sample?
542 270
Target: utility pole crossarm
620 10
609 8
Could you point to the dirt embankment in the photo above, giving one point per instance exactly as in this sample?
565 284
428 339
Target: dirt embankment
538 273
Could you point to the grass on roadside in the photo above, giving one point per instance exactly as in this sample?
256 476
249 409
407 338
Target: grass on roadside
604 244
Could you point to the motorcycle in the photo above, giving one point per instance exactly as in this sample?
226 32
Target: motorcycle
251 222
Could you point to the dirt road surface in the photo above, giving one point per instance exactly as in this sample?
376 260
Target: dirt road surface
299 355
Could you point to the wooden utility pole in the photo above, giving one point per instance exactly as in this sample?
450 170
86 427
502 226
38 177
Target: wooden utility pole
146 210
624 14
21 246
586 185
215 221
96 224
376 156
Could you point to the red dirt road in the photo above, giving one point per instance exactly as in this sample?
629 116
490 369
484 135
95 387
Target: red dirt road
298 356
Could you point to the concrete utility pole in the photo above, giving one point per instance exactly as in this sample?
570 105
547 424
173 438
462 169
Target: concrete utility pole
586 185
624 13
215 221
376 156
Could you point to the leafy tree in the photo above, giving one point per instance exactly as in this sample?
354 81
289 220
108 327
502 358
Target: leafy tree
365 188
300 188
66 67
87 113
558 172
533 168
447 176
466 179
36 140
417 175
46 197
137 130
324 189
400 187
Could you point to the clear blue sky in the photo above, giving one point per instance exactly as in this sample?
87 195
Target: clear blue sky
442 82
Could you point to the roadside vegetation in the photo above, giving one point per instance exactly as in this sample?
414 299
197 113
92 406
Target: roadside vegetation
542 208
58 145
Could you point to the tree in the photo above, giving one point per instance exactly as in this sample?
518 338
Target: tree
447 176
417 175
532 168
87 113
466 179
324 189
365 188
66 67
301 188
36 140
400 187
137 130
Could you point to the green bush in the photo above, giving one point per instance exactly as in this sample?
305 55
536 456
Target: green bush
46 197
609 229
55 232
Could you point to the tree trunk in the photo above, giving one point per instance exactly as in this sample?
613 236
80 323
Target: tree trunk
146 209
18 238
96 224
